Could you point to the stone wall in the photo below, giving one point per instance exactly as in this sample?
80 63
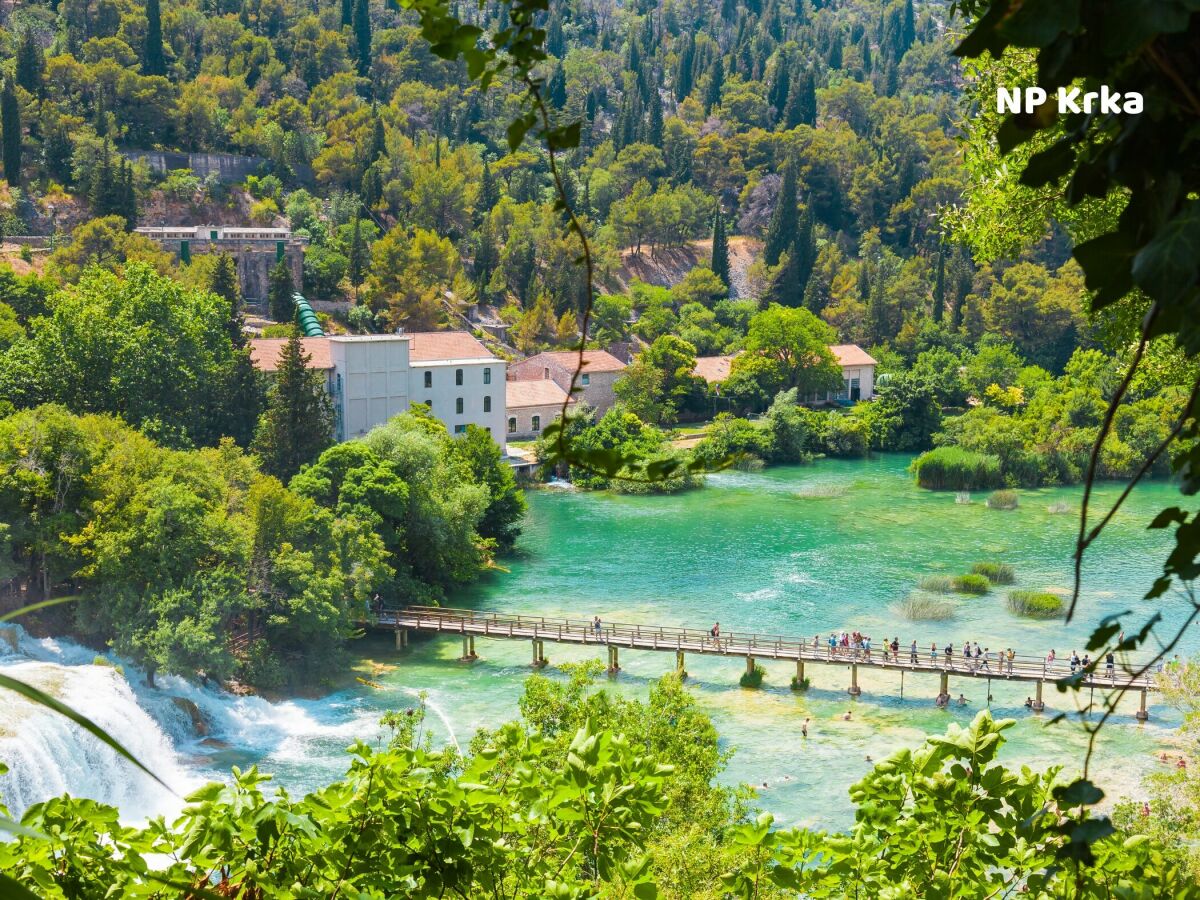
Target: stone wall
227 167
254 262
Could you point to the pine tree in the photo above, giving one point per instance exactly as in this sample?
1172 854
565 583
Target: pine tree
298 422
785 219
279 293
362 36
939 288
31 63
684 68
720 250
153 62
10 126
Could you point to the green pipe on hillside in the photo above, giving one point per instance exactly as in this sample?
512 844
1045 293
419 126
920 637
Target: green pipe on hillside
307 318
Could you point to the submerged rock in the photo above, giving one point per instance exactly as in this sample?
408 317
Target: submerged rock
192 711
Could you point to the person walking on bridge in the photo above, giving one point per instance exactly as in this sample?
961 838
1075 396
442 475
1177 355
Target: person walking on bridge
715 633
912 653
596 627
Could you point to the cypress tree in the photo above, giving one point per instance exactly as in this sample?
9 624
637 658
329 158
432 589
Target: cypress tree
908 27
127 196
556 44
781 232
347 13
279 293
362 36
489 190
684 68
378 135
58 151
223 281
10 126
556 88
801 106
720 250
792 279
654 123
777 96
358 254
878 326
31 64
835 51
298 422
716 81
939 288
153 62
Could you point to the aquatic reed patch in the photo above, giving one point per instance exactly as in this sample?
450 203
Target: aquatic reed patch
972 584
1003 499
1035 604
995 572
753 678
924 608
937 584
956 469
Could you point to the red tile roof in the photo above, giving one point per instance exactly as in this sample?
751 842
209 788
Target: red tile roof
851 355
713 369
522 394
430 346
593 360
264 352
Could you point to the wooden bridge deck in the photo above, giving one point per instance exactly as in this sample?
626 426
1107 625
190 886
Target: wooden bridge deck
748 645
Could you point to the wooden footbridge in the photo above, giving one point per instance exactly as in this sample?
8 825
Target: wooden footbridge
614 637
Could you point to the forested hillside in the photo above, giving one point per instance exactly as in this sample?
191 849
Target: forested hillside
825 128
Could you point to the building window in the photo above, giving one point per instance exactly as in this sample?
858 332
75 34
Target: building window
546 372
460 429
458 376
458 405
487 404
537 423
428 379
512 424
487 376
585 380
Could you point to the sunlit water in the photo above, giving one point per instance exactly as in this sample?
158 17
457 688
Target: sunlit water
794 551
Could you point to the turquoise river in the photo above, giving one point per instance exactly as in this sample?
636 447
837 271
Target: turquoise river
793 551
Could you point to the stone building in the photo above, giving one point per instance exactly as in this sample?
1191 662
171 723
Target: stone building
600 372
532 405
255 250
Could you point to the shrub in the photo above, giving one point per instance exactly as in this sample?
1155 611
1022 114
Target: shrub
937 584
753 678
918 608
955 469
995 572
1002 500
972 584
800 684
1035 604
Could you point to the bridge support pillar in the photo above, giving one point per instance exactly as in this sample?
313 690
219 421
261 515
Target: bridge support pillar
1038 704
944 686
855 690
401 638
749 665
468 653
614 660
1142 714
539 654
799 671
679 664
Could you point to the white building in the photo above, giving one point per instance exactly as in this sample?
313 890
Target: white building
372 378
857 365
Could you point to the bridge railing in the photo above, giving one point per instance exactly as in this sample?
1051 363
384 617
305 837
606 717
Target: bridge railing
666 637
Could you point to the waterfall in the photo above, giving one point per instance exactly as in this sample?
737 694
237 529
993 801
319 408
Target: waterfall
48 755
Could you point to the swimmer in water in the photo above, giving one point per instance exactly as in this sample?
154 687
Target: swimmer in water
846 716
